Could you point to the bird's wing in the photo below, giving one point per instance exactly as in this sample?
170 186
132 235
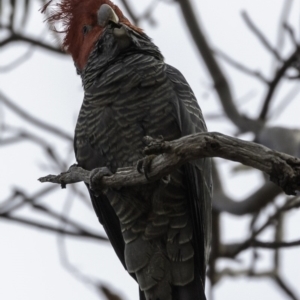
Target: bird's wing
108 218
189 118
198 172
104 211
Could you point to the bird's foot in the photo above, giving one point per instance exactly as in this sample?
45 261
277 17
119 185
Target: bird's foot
155 146
96 176
144 165
71 168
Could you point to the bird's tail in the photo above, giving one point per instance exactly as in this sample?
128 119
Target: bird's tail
191 291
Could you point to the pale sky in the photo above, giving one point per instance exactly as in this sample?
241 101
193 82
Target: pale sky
48 86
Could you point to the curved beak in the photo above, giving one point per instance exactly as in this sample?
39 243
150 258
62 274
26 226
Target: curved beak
106 14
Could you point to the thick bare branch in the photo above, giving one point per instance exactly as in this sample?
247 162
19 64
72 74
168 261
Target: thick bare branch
249 205
283 169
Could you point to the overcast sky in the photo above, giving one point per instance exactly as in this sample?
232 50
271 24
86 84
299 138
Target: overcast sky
48 86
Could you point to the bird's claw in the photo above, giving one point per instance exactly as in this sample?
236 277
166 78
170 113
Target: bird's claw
148 140
96 176
144 165
74 166
155 146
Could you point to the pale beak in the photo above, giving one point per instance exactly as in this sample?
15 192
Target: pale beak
106 14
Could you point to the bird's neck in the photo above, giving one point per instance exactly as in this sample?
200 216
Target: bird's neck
107 52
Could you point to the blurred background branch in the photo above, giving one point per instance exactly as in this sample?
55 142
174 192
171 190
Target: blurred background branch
264 208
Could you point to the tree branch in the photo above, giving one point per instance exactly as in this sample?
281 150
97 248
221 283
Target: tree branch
283 169
249 205
237 65
79 234
260 36
32 119
284 287
285 12
232 250
130 12
15 37
18 61
274 245
274 83
220 81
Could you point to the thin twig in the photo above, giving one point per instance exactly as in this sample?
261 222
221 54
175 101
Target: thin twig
292 35
240 66
260 36
288 99
287 6
12 140
274 245
22 135
15 37
232 250
221 83
20 60
9 206
243 272
61 217
284 287
274 84
278 238
32 119
52 228
130 12
148 13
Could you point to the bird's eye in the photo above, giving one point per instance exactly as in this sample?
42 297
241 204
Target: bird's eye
86 29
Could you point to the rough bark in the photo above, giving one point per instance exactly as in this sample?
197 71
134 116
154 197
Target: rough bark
283 169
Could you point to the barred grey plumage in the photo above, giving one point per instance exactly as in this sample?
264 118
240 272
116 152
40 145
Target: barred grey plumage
134 95
161 230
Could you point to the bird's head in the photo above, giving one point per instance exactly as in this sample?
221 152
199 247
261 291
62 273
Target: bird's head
85 22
